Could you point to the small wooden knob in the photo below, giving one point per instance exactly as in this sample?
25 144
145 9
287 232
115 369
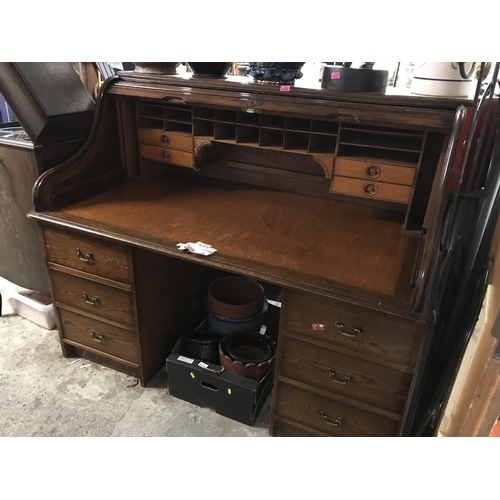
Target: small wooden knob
372 171
370 189
165 139
165 155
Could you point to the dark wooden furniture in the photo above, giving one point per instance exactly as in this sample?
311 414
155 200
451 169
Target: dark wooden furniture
21 163
56 111
331 196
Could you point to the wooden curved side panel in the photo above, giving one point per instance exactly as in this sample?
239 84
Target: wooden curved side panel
96 166
435 213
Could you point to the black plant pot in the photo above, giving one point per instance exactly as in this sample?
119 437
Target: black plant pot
275 72
201 345
159 68
210 69
354 79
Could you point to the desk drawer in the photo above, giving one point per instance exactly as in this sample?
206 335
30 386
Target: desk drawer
93 298
181 142
320 413
352 327
381 172
84 253
106 338
167 155
370 189
338 373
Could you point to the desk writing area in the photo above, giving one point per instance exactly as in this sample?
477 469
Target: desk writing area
329 197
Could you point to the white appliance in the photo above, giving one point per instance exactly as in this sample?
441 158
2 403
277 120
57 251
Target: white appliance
443 79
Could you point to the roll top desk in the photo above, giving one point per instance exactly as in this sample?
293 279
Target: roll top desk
333 197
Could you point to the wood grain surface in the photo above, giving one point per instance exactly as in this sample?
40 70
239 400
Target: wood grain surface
381 337
305 407
182 142
108 260
279 236
371 383
166 155
113 304
358 188
395 174
106 338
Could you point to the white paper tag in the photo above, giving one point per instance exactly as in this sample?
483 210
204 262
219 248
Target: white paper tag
198 248
186 360
203 365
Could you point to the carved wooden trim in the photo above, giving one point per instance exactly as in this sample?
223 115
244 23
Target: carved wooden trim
326 163
199 145
96 165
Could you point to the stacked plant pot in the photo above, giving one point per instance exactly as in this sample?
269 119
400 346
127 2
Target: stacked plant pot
236 308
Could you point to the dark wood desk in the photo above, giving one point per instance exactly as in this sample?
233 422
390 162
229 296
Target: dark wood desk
275 192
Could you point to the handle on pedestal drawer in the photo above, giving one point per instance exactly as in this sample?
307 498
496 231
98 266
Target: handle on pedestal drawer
94 301
87 258
165 155
341 326
338 421
346 379
98 337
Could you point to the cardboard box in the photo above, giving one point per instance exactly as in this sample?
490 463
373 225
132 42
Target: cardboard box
229 394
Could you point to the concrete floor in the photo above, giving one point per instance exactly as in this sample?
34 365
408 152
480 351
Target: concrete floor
44 394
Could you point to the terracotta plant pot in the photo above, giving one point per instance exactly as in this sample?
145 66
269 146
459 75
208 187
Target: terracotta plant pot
247 347
235 297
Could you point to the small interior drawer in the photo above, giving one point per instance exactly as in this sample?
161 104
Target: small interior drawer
91 255
338 373
329 416
355 328
93 298
106 338
371 189
173 140
375 171
166 155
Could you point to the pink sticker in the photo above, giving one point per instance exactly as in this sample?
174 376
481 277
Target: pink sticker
335 75
318 327
285 88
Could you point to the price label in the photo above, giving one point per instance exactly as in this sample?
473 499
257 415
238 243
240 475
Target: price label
335 75
285 88
185 360
318 327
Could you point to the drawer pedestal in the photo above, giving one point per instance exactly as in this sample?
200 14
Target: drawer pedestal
342 370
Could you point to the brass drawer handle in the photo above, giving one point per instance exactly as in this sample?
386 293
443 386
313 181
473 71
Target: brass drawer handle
346 379
338 421
87 258
341 326
370 189
98 337
165 155
94 301
372 171
165 139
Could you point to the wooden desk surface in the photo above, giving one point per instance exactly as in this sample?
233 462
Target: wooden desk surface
322 246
